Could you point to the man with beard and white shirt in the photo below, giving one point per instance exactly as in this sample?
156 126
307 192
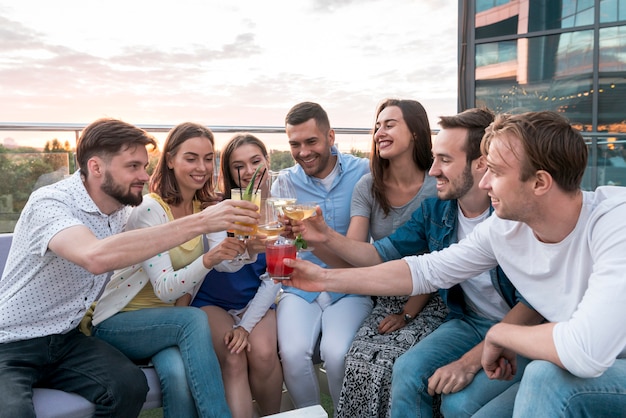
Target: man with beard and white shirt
563 249
68 237
447 361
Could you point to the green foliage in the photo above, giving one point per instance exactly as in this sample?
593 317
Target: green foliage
280 160
23 172
358 153
248 193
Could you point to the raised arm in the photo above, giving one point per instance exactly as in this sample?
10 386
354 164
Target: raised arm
388 279
99 256
337 250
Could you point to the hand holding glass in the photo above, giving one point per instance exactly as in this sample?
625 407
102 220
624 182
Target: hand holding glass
269 224
255 197
275 252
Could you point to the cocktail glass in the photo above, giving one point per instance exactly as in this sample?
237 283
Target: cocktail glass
255 197
275 252
300 211
269 224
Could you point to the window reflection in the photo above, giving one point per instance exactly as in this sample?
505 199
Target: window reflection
501 18
612 10
545 72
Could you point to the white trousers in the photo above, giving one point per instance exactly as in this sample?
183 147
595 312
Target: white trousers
299 326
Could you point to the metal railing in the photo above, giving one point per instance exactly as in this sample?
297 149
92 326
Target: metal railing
607 160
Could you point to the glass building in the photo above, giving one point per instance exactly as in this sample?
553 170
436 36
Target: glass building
563 55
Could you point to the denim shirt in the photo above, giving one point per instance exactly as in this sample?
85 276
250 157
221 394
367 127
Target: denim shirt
433 227
335 203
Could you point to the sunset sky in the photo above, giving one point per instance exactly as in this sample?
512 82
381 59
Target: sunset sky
223 62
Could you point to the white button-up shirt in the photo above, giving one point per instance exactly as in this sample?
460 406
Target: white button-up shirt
41 293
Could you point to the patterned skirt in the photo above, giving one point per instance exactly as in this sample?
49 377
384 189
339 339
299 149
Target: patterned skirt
366 385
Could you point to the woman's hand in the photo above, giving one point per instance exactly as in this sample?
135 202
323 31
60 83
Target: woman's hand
256 245
391 323
237 340
228 249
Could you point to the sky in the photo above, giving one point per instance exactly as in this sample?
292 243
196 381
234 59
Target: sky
237 62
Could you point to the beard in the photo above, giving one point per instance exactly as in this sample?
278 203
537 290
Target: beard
116 191
460 186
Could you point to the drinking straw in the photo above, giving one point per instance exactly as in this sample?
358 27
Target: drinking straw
260 180
239 178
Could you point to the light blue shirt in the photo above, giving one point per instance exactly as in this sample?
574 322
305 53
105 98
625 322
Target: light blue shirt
335 202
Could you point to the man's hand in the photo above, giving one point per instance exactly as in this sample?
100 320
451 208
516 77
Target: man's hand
313 229
498 362
237 340
222 216
256 244
451 378
306 275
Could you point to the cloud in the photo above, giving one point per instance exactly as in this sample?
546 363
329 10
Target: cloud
239 63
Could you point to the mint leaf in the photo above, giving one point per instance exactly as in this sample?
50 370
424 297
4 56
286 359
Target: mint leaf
301 244
250 188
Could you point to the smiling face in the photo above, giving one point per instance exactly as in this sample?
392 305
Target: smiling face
192 165
243 163
311 148
125 175
450 167
511 198
392 135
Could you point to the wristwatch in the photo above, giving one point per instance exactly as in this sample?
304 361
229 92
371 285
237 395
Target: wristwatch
407 318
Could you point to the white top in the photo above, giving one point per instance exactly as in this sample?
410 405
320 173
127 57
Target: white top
168 284
579 283
478 292
41 293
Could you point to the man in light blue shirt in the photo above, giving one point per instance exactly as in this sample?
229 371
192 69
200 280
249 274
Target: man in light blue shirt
324 176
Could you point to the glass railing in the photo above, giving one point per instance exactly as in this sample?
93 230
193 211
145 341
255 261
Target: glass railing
24 172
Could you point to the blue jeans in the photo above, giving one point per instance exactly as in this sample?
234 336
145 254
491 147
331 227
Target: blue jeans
549 391
409 382
70 362
178 340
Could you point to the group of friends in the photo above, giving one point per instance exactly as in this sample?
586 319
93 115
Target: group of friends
467 275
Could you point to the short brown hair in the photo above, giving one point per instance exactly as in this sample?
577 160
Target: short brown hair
106 138
549 142
304 111
475 120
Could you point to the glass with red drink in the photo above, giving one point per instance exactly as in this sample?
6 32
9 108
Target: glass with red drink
275 252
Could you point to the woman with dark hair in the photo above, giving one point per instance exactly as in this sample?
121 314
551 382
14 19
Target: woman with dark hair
176 339
382 201
240 305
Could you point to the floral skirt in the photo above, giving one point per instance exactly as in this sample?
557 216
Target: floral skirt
366 390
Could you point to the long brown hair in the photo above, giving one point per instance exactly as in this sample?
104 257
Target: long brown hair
416 120
228 182
163 181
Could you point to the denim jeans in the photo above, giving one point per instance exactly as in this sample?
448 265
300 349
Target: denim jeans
70 362
549 391
178 340
409 382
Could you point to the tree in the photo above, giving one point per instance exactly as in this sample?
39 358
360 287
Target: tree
280 160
